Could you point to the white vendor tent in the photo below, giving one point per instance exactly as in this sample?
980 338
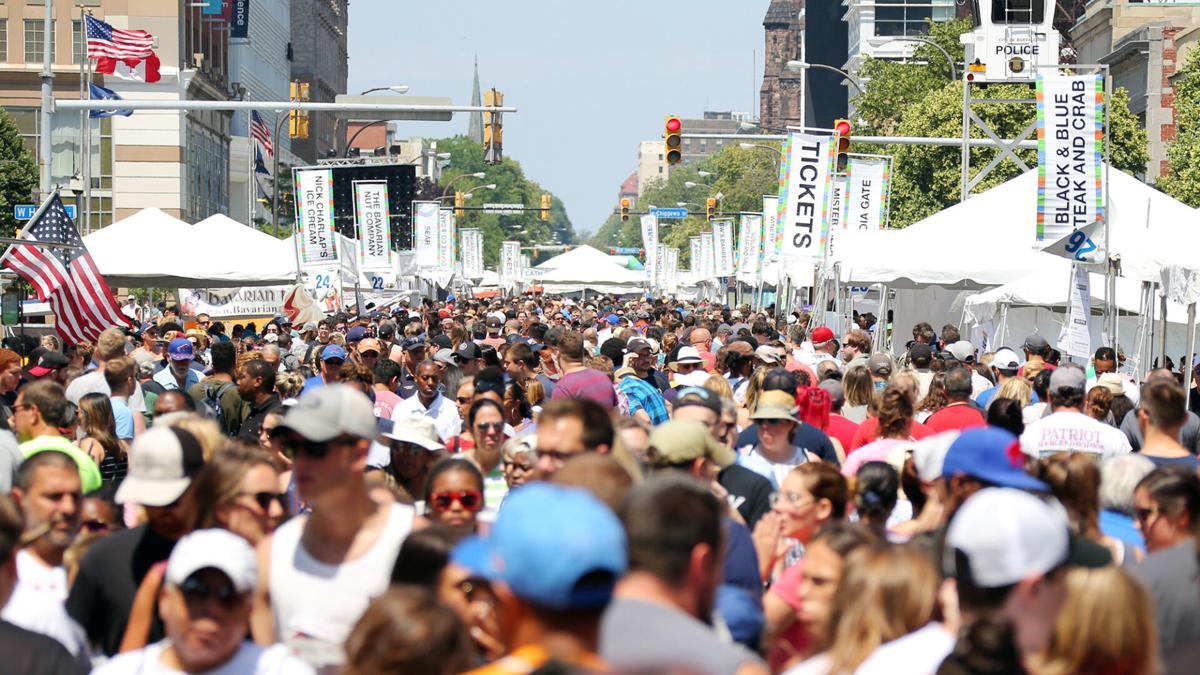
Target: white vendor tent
585 268
240 254
149 248
580 256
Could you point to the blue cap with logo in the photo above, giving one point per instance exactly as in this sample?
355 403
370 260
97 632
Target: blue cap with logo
180 349
992 455
588 541
333 352
612 319
355 334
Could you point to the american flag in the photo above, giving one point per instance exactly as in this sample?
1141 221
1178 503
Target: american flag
66 278
104 40
261 132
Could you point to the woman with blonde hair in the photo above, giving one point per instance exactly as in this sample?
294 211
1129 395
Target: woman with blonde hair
719 385
1018 389
288 385
1106 626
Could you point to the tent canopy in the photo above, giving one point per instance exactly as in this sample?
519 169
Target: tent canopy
242 255
124 251
586 268
580 256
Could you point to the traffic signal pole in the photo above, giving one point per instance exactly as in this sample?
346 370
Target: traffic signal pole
875 140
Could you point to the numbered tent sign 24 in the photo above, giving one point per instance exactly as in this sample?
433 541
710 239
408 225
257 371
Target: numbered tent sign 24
325 285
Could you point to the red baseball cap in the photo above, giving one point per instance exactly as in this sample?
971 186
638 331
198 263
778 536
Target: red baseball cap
821 335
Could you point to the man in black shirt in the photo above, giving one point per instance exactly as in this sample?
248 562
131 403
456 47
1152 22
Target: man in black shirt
256 386
162 463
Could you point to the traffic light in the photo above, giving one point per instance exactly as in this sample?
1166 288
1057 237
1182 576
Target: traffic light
842 129
710 207
459 201
546 203
298 119
624 208
673 139
493 129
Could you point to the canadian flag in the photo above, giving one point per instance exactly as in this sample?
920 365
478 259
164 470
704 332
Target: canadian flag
138 70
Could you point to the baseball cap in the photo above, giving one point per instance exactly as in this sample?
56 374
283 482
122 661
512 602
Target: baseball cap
688 354
992 455
929 454
588 541
1006 359
442 341
767 354
1110 381
494 321
837 393
1036 343
416 429
920 351
180 349
467 351
309 327
355 334
740 347
369 345
162 463
411 343
218 549
698 396
333 352
821 335
612 319
637 345
47 363
775 405
962 350
445 356
680 441
328 412
1000 536
1067 378
880 364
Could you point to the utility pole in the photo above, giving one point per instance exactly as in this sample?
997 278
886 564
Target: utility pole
44 145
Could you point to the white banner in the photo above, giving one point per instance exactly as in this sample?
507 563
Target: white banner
707 256
229 303
672 270
510 254
750 253
804 196
772 238
866 199
837 210
425 234
650 245
723 248
1075 338
374 228
445 239
326 289
470 260
697 266
314 218
1070 116
660 266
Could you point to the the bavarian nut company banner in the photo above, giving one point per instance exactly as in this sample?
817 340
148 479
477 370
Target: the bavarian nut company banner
867 194
1070 119
804 191
374 228
425 231
314 218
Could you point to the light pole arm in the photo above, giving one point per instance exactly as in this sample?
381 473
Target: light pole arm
949 60
455 180
350 143
839 71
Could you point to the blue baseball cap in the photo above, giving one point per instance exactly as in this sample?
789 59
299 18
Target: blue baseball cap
612 319
355 334
992 455
333 352
584 535
180 349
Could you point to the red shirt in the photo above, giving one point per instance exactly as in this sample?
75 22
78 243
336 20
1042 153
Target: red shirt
958 416
842 429
869 431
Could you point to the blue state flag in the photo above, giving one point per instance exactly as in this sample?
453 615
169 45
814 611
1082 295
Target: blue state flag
259 165
101 94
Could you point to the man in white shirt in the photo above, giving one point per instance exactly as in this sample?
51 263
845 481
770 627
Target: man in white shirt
1067 429
109 345
430 402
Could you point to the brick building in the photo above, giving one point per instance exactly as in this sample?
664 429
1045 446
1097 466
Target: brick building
780 95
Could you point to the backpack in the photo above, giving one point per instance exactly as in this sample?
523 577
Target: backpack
211 407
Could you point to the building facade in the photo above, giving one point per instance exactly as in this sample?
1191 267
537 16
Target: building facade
696 150
652 164
320 58
780 97
174 160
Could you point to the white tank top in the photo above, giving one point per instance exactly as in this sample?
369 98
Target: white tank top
316 604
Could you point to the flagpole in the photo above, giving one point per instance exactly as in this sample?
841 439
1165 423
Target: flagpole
84 91
45 147
250 177
86 212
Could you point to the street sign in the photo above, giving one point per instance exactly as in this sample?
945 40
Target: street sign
504 208
626 250
26 211
669 214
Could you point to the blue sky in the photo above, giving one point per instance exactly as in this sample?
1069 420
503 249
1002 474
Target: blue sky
590 79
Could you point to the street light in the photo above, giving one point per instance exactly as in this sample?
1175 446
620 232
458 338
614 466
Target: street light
443 155
397 88
798 66
468 193
949 59
703 174
690 184
764 146
459 177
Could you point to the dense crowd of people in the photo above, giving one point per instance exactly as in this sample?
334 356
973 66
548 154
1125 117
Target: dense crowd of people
542 485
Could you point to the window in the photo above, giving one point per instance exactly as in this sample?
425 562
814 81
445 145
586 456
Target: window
76 42
34 40
1018 11
3 40
911 17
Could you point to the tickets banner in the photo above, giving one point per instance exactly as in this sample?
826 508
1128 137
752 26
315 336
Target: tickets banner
1070 127
510 254
314 218
650 245
425 234
723 248
804 195
867 194
445 239
374 228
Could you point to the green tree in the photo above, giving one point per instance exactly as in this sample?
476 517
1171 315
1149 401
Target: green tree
18 174
1183 154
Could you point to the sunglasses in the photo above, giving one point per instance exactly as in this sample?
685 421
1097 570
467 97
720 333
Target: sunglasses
196 591
471 500
463 400
94 525
490 426
264 499
293 447
407 448
1143 515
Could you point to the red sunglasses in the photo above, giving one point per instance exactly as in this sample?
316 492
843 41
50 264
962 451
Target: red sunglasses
471 500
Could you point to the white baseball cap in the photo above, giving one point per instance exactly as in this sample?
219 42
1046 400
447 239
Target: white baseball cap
162 462
216 548
930 453
1006 359
323 414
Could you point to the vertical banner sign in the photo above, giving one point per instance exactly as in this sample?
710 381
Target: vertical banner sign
478 254
776 204
425 234
374 229
239 19
510 251
1075 338
445 239
723 248
837 209
317 238
1070 119
470 254
694 243
707 256
772 238
650 244
866 198
804 196
673 268
750 255
660 266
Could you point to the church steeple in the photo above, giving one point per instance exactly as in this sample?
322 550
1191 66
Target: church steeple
475 125
780 94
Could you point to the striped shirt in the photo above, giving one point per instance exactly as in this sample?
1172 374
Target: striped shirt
644 396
